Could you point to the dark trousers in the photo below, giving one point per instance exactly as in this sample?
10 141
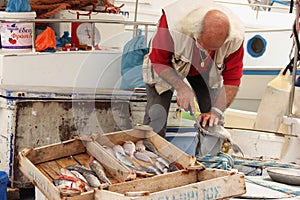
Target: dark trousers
157 108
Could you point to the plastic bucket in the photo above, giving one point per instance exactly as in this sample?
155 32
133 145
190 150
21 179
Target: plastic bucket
3 185
16 35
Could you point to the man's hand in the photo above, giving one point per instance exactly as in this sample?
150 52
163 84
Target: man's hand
185 95
211 118
185 98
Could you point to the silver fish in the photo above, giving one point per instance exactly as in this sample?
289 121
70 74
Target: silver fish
139 145
150 154
99 170
175 166
142 156
154 169
124 160
67 172
81 169
92 179
118 148
109 150
145 169
68 184
150 146
221 132
79 176
129 148
161 167
163 161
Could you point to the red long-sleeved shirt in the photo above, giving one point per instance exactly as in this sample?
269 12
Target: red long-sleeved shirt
163 48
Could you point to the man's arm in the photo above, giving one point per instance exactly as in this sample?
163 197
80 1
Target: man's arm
185 96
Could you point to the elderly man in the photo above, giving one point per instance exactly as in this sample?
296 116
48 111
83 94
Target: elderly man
202 42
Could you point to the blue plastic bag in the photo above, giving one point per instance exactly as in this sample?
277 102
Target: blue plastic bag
18 6
132 63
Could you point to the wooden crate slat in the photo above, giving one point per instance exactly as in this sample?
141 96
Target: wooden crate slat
156 183
82 159
52 168
67 161
56 151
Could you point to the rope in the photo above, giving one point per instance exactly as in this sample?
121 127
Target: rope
273 186
220 161
258 163
48 8
226 162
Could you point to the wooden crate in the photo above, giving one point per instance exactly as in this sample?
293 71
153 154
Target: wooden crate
193 182
42 165
205 184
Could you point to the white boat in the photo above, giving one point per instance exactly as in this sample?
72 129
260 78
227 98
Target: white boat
81 70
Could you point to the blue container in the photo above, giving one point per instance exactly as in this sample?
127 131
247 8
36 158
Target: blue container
3 185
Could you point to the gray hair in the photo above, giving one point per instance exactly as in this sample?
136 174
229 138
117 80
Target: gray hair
192 24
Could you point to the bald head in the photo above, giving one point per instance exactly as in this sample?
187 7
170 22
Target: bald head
215 30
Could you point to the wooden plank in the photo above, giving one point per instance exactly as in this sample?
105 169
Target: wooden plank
110 163
218 188
209 173
55 151
13 193
156 183
67 161
44 172
82 159
52 168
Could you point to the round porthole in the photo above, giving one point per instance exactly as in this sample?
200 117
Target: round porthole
256 46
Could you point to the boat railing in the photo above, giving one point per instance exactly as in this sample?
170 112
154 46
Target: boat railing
135 24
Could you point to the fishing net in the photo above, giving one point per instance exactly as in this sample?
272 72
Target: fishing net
48 8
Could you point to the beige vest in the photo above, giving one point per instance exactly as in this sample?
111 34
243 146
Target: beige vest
183 44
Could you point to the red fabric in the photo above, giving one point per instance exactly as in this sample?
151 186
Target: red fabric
163 48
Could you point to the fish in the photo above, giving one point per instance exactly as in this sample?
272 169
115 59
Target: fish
69 183
142 156
175 166
99 170
163 161
118 148
150 154
67 172
129 148
145 169
81 169
109 150
154 169
139 146
150 146
161 167
92 179
221 132
124 160
79 176
150 170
